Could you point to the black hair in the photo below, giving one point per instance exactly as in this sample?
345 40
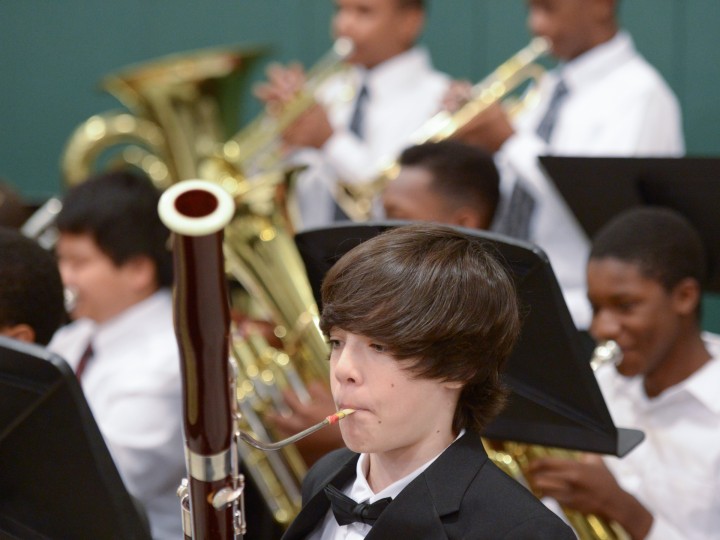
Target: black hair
661 241
31 290
119 210
461 173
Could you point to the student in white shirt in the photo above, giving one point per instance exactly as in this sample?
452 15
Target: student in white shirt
402 91
644 275
420 320
615 104
112 252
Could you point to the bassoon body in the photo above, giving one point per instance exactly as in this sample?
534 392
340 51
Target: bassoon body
197 212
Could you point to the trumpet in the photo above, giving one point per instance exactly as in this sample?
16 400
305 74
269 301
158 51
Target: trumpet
256 148
356 199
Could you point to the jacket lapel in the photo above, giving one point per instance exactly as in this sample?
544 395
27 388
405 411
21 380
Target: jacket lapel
419 510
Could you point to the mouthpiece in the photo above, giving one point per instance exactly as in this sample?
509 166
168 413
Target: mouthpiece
343 47
332 419
606 352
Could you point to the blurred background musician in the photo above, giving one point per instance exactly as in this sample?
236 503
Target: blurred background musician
444 182
112 253
367 113
31 292
644 276
603 99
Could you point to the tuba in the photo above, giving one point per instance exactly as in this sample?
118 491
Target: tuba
356 199
180 107
514 458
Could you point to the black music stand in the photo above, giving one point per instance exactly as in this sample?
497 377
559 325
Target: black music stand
598 188
555 398
57 479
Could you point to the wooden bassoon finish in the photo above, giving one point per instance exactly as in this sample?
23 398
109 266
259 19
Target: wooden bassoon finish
202 321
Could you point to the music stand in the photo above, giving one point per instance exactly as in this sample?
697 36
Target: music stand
598 188
555 398
57 479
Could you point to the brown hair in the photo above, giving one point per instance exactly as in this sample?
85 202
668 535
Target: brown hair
437 296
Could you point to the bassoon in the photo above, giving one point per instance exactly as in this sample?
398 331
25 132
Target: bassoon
196 211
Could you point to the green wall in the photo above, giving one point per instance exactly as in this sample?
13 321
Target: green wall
53 53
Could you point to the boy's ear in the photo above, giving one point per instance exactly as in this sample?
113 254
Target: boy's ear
453 385
686 296
21 332
141 271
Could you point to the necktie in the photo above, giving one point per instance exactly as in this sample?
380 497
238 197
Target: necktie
516 220
84 359
357 124
547 124
348 511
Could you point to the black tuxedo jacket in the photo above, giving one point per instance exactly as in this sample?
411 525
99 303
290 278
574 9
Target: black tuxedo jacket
462 495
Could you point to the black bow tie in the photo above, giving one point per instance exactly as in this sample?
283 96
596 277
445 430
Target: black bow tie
348 511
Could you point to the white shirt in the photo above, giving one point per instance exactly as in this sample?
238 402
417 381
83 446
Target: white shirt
403 93
133 387
617 105
361 491
675 471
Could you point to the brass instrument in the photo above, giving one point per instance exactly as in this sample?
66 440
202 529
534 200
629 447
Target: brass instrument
178 121
356 199
514 458
256 148
182 107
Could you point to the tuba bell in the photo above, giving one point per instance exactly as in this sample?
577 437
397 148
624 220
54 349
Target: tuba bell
181 107
356 199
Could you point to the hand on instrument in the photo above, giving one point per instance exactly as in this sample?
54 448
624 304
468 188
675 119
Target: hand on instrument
312 128
303 416
282 85
588 486
488 130
457 95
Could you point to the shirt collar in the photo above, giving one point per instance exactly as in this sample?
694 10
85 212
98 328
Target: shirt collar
701 385
399 71
595 63
361 491
117 328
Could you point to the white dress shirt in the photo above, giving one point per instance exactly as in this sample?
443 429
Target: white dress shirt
403 93
617 105
133 387
675 471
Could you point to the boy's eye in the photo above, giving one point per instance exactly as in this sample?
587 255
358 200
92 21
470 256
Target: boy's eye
334 343
378 348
